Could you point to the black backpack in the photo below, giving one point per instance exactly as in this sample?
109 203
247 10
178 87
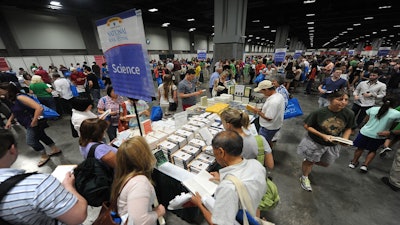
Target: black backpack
93 179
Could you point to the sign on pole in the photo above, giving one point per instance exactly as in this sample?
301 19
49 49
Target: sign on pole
124 46
201 54
280 54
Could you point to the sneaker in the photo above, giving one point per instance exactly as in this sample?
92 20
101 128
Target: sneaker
383 152
364 169
305 183
353 165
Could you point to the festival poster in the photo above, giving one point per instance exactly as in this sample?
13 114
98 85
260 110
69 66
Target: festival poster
124 46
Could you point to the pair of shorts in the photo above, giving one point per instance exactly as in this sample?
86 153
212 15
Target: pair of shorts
314 152
267 134
364 142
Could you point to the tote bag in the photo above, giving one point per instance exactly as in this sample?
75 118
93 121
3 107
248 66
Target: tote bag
47 112
293 109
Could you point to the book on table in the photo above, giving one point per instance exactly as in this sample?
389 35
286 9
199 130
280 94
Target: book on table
201 183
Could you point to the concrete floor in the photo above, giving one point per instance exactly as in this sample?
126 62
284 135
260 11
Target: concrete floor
340 196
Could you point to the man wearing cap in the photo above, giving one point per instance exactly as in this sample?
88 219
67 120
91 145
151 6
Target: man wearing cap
271 114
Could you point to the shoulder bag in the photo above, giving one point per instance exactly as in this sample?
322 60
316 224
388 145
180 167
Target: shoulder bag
244 216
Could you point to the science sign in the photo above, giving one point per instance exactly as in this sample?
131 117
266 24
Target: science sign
124 46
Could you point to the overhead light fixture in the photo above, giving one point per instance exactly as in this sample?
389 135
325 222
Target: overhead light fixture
250 35
190 20
262 39
165 24
266 27
357 24
385 7
383 30
255 21
344 32
55 3
374 32
212 26
310 22
153 10
369 18
367 35
212 34
391 35
311 31
311 28
396 26
257 38
350 28
192 29
248 40
273 31
310 14
309 1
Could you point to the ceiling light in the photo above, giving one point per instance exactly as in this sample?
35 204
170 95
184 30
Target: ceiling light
310 22
310 14
374 32
153 10
273 31
165 24
190 20
309 1
369 18
397 26
263 39
311 28
212 34
357 24
250 35
212 26
248 40
391 35
383 30
255 21
367 35
192 29
55 3
385 7
344 32
311 31
350 28
257 37
266 27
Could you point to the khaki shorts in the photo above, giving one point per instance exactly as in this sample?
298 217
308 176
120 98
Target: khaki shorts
314 152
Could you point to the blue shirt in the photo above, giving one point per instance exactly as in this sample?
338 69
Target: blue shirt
214 76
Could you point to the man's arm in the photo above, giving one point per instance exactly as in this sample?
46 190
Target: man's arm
78 213
196 199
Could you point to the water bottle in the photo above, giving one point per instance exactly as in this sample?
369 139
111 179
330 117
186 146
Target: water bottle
115 217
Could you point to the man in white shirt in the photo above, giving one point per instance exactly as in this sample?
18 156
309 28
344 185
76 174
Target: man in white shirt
213 77
227 148
62 86
365 95
271 114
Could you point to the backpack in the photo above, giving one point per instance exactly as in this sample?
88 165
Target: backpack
7 185
93 179
271 197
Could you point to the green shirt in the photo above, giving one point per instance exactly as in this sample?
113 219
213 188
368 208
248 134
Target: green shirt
39 89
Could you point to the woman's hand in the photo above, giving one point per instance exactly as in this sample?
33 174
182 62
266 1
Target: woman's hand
34 123
160 210
328 138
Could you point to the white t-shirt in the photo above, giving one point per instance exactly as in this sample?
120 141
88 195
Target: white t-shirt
163 100
273 108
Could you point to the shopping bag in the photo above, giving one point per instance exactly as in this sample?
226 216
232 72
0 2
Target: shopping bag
159 81
47 112
156 113
259 78
74 91
293 109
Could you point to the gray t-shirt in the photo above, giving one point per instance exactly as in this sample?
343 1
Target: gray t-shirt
250 147
187 87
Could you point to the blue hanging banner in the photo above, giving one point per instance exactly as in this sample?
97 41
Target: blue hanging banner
124 46
201 54
383 51
297 54
280 54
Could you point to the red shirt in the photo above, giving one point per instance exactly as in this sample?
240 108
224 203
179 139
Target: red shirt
74 78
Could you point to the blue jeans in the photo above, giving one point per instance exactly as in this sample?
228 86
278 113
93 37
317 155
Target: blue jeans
36 134
95 96
267 134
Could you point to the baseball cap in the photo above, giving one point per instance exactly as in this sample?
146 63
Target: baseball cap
265 84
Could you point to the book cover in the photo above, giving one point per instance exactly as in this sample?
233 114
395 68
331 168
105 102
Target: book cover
60 171
342 140
201 183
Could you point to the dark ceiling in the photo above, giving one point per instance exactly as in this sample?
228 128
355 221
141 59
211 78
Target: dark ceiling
334 20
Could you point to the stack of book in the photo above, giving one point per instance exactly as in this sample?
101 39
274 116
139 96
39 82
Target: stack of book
168 148
206 158
182 159
184 133
197 165
197 143
194 151
180 141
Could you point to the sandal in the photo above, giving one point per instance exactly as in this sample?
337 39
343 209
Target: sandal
43 161
55 153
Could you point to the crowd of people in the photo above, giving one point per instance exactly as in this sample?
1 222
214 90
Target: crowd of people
372 83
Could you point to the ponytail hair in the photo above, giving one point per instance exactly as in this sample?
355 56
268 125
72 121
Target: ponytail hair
389 101
236 117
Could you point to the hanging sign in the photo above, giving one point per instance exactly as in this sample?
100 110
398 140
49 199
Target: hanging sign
280 54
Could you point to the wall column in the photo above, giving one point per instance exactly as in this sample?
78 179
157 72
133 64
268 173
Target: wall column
88 35
7 37
229 28
282 33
